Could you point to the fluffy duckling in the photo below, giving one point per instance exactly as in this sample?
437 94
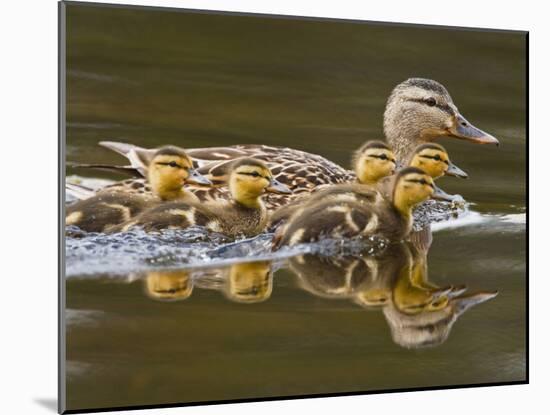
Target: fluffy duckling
365 215
168 170
433 159
244 215
372 162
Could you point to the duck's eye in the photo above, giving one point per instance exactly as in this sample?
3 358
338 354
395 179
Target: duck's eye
173 164
430 101
437 157
383 157
255 174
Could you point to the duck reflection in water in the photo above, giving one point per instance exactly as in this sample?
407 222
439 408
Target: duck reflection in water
247 282
418 312
169 285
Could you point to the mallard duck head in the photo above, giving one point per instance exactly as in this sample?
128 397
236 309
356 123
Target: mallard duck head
422 110
249 179
373 161
250 282
434 160
412 186
169 169
168 285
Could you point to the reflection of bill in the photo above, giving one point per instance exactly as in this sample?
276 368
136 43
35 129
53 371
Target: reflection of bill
168 285
250 282
431 325
419 312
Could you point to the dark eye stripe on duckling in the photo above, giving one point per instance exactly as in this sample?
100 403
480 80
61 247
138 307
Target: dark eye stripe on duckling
436 157
381 157
171 164
421 181
442 107
253 174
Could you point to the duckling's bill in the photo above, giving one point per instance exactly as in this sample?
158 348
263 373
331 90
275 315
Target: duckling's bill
440 194
277 187
196 178
456 171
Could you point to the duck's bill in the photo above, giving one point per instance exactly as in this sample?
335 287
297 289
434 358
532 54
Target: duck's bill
465 130
464 302
440 194
456 171
197 178
277 187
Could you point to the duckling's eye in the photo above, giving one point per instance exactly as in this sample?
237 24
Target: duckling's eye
173 164
430 101
255 174
437 157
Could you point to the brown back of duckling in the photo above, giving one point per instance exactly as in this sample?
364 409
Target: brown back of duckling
106 209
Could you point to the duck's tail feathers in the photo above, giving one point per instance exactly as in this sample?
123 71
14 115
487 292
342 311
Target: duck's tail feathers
139 157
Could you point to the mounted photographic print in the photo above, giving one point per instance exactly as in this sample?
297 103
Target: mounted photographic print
259 207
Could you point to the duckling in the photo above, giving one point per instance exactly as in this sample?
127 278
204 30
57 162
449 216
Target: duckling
418 111
168 170
369 214
245 215
372 162
434 160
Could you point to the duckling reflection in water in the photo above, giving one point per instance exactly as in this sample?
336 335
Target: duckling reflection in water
419 312
249 282
169 285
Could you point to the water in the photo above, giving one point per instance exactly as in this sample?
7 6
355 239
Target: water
155 320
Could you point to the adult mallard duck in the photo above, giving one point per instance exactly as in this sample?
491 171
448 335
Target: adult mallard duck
417 111
169 169
366 213
244 215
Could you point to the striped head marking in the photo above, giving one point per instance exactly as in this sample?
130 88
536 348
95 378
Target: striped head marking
424 109
169 169
373 161
412 186
434 160
249 179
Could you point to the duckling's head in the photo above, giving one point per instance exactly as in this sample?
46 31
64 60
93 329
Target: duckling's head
168 285
373 161
249 179
169 169
412 186
434 160
422 110
250 282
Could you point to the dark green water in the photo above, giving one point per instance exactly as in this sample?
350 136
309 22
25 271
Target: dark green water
152 78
